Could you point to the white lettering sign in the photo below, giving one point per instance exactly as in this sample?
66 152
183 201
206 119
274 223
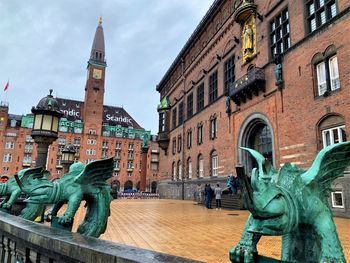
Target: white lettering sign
119 119
71 112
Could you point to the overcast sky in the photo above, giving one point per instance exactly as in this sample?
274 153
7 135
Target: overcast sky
46 44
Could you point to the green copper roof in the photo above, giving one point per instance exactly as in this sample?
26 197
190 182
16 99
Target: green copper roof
164 103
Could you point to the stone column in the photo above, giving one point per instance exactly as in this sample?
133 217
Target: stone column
144 152
42 151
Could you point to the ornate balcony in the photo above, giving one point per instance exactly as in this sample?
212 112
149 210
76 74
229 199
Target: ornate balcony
250 84
163 140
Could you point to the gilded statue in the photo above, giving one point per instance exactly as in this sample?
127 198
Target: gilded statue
248 38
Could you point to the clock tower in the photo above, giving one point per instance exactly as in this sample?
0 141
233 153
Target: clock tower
95 84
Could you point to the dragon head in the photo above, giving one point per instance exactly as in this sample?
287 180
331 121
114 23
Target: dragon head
271 206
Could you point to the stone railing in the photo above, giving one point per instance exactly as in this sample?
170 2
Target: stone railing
22 241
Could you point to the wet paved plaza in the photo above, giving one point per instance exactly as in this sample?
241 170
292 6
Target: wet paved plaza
185 229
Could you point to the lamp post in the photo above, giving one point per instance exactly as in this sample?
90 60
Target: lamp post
46 120
68 154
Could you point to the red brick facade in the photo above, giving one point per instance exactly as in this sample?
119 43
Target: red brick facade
295 114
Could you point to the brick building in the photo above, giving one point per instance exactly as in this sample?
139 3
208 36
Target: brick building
225 89
96 130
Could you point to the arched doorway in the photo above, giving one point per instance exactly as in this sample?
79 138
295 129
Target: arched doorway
154 187
256 133
128 185
138 186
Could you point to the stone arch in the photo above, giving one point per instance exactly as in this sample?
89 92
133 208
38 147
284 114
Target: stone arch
255 127
228 46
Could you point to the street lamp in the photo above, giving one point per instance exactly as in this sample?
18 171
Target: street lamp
46 120
68 154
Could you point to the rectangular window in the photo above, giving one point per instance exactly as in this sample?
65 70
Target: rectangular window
200 134
189 170
200 97
130 147
130 165
189 139
201 168
181 113
333 135
118 146
229 74
77 141
174 146
319 12
280 33
213 129
327 75
9 145
174 117
213 87
8 158
179 143
161 127
337 199
189 105
214 165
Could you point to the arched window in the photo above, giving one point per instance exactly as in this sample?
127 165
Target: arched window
128 185
174 171
214 161
256 134
200 166
331 130
179 169
189 168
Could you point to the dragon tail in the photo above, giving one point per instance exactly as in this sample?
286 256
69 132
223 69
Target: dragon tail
32 211
97 213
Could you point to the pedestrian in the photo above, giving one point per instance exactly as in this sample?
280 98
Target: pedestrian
207 195
211 194
218 192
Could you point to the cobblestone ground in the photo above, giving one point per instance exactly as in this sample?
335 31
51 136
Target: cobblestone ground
185 229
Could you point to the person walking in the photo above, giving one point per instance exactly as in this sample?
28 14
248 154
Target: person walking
218 192
211 194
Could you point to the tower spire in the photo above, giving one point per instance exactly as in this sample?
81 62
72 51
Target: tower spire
98 46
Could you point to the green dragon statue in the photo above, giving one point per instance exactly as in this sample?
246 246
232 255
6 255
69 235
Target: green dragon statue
294 204
82 182
12 191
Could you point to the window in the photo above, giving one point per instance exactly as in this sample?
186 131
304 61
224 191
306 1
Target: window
174 171
333 135
117 164
213 128
179 168
280 33
179 143
117 154
200 134
90 152
130 165
327 75
174 117
28 148
174 146
229 74
61 141
189 105
27 159
337 199
214 164
130 155
213 87
9 145
76 141
200 97
129 174
189 138
92 131
189 168
319 12
29 138
200 166
8 158
118 146
161 127
105 144
91 142
181 113
130 147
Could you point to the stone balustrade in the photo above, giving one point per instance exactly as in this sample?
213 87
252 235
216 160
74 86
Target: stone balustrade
23 241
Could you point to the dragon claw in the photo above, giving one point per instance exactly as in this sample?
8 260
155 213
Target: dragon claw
239 253
65 220
6 206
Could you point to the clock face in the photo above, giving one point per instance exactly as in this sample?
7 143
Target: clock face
97 73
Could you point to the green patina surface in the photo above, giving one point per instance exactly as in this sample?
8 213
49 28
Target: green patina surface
11 191
293 203
82 182
164 104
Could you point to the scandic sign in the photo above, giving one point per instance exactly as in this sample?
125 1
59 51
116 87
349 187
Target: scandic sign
107 118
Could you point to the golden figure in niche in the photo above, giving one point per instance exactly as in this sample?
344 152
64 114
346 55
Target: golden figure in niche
249 38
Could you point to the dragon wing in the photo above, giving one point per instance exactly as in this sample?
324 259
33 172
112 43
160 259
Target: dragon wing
329 164
96 173
30 173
